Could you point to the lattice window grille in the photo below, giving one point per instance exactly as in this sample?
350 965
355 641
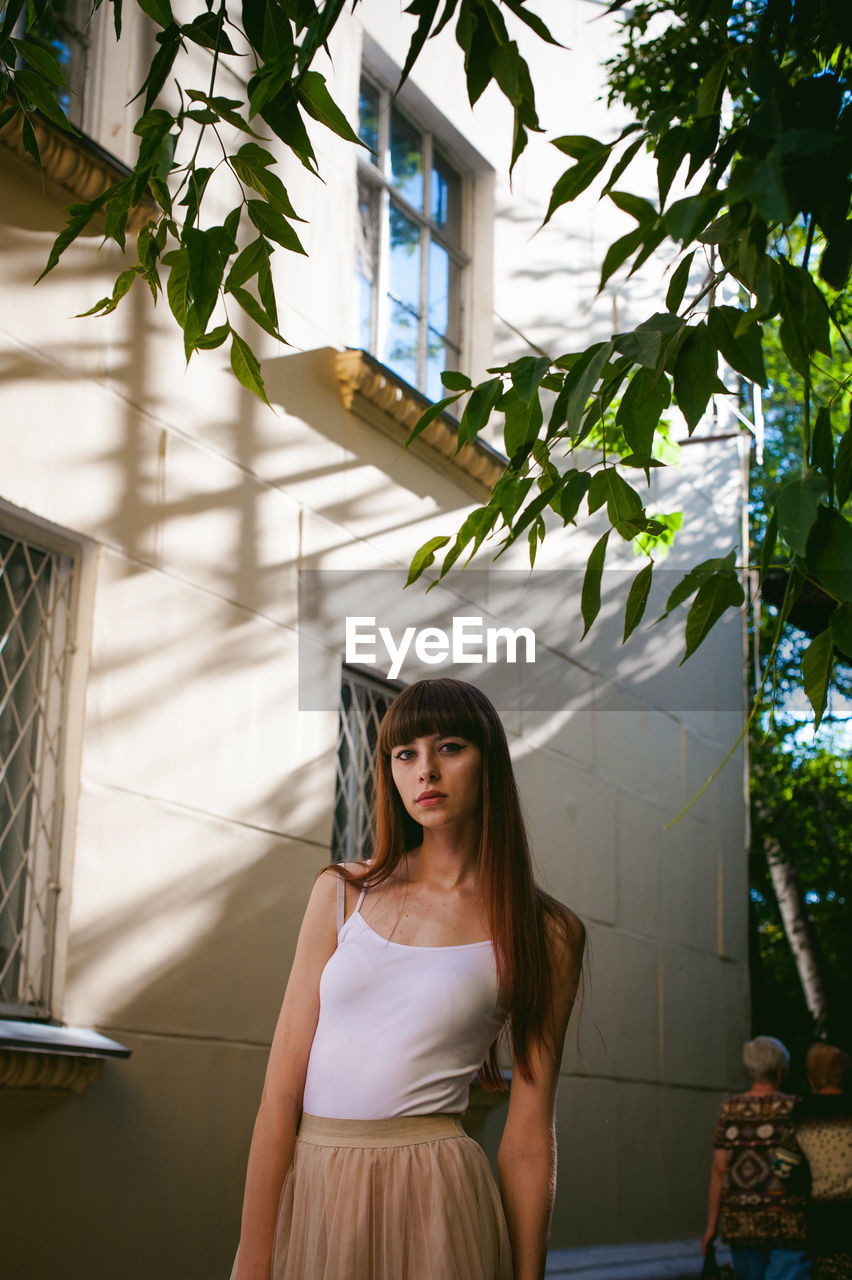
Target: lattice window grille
363 702
35 618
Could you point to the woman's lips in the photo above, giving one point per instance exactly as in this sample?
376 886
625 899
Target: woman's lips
430 798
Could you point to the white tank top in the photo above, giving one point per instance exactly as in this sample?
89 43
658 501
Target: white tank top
402 1030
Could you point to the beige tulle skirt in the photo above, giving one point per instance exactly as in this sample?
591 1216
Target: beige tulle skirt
410 1198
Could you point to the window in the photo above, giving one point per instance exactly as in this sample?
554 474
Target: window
409 258
65 29
363 702
36 586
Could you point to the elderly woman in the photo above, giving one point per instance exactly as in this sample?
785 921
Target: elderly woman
822 1133
759 1217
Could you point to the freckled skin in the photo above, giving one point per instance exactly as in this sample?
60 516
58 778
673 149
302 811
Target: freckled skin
449 765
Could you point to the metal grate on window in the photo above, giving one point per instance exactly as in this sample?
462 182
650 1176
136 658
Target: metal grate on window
35 617
363 702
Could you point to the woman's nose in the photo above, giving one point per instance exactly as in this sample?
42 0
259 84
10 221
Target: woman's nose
428 769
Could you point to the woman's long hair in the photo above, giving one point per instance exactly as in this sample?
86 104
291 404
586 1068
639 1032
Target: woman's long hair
520 914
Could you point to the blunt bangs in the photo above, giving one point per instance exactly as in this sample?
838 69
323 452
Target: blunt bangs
443 706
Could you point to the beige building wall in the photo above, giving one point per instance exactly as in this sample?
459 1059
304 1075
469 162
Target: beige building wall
205 793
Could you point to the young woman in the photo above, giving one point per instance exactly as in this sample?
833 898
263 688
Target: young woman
407 970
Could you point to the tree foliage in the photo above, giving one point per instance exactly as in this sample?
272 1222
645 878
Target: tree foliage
801 802
745 107
214 272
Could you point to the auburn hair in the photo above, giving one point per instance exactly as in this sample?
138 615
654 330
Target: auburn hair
521 916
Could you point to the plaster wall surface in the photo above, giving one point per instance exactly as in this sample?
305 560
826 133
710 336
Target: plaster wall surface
206 792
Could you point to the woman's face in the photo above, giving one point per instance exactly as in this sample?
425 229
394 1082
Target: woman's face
439 778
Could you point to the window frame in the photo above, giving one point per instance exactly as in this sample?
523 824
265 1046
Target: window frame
347 845
80 552
376 176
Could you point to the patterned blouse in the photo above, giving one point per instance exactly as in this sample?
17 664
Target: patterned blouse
758 1207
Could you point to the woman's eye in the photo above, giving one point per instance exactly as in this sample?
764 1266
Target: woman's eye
404 754
451 746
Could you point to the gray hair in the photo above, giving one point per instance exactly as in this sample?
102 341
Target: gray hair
764 1057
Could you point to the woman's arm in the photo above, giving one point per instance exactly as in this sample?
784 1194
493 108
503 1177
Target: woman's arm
274 1133
526 1160
718 1169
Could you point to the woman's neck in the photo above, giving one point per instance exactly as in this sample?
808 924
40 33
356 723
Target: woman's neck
447 858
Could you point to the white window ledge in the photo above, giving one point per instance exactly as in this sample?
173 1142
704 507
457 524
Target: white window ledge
375 393
74 162
42 1057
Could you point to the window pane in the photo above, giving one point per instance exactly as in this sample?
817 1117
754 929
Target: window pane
404 274
368 116
445 198
406 156
401 344
367 236
440 355
439 288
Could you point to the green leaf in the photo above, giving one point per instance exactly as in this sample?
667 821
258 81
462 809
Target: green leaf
695 376
579 385
177 286
822 448
246 367
434 411
590 595
720 592
318 102
522 424
424 557
796 507
829 553
455 381
247 263
41 60
273 225
678 283
770 539
642 210
841 629
79 217
208 32
255 311
161 64
32 86
619 251
843 468
106 305
686 218
637 599
576 179
252 164
817 664
208 252
215 338
670 154
647 396
159 10
742 350
30 145
696 576
574 490
478 410
527 374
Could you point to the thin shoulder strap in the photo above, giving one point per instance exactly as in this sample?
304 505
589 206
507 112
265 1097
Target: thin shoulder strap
341 902
360 900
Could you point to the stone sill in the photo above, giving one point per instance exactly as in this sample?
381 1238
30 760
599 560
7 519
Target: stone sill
73 163
43 1059
376 394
